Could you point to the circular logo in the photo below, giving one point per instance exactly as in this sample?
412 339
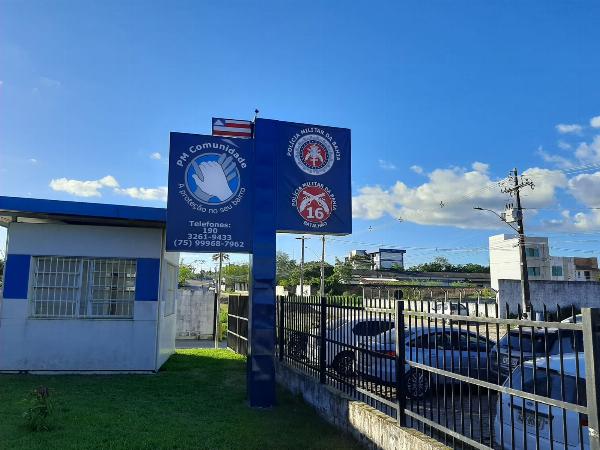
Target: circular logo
313 154
212 178
314 204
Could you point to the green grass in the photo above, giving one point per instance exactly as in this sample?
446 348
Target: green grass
198 400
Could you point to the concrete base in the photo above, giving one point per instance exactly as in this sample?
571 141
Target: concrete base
370 427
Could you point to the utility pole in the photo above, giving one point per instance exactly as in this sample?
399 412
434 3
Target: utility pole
322 266
218 300
302 239
513 186
514 190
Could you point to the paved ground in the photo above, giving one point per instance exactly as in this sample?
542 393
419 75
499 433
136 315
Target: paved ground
198 343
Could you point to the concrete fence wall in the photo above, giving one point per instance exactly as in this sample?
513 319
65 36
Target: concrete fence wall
370 427
195 312
582 294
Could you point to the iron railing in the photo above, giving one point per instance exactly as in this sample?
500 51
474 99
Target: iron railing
237 324
463 375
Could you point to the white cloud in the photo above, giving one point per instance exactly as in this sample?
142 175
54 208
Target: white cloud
386 165
480 167
595 122
92 188
416 169
589 152
448 197
79 188
155 155
558 160
586 189
159 193
564 145
564 128
32 160
109 181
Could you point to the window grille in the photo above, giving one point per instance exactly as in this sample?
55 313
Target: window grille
83 287
171 294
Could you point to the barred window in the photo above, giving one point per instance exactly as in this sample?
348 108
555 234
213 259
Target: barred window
171 291
83 287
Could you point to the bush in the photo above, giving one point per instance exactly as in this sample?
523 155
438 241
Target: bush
38 414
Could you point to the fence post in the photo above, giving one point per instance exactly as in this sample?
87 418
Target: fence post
281 326
323 341
400 356
591 350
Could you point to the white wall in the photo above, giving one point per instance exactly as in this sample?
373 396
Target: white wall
195 312
505 261
80 344
167 326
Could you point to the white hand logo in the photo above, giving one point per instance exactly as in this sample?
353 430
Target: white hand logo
212 180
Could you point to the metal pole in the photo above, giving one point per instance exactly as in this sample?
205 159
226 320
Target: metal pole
323 341
281 328
591 350
525 298
302 267
218 299
400 356
322 266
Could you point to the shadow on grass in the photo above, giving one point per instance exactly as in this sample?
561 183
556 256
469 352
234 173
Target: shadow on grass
204 359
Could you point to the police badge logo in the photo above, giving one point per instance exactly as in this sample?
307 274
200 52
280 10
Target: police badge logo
314 154
315 203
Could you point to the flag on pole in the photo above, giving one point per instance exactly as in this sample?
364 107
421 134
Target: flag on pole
231 128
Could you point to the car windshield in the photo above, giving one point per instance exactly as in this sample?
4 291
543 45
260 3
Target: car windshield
548 384
529 343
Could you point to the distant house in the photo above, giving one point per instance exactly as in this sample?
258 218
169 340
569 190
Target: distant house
505 262
380 259
87 287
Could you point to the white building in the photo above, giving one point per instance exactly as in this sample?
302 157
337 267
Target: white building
380 259
87 287
505 262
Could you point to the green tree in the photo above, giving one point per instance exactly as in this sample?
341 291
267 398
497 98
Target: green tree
441 264
186 272
235 273
285 266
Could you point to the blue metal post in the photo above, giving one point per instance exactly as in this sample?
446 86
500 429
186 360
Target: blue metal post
261 324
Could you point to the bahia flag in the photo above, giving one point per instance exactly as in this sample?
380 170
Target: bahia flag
231 128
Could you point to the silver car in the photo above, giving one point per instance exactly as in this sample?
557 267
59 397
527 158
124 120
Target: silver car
454 350
549 419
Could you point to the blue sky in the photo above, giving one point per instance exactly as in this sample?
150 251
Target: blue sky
443 99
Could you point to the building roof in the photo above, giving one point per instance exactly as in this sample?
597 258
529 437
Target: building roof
15 208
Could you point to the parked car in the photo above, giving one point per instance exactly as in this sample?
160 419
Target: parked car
459 351
343 337
524 418
533 344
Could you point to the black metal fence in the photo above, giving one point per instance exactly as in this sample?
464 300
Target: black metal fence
460 374
237 324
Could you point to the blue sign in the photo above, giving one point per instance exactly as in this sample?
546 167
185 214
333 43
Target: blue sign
209 202
312 175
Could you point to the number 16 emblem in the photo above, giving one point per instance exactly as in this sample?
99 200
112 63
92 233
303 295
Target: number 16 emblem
314 203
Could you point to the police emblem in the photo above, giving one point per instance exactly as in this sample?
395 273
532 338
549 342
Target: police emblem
315 203
314 154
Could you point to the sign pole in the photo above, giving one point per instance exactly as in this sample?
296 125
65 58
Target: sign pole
261 311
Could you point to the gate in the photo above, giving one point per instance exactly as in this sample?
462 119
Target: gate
237 324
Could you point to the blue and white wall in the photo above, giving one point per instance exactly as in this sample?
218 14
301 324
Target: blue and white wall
142 343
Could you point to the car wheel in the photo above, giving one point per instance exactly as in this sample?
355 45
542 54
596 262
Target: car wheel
343 364
417 384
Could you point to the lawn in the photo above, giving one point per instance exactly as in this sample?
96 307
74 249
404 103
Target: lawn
196 401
